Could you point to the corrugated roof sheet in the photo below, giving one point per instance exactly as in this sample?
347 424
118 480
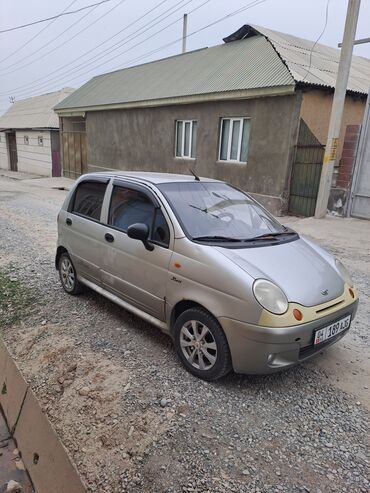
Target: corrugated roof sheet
319 68
242 65
36 112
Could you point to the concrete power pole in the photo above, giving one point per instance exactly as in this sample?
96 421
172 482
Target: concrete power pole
184 32
337 108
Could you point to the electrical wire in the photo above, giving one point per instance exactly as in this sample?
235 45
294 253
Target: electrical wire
35 36
108 49
317 40
231 14
54 17
59 35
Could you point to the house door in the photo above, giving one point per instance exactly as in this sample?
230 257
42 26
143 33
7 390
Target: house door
12 147
306 172
56 168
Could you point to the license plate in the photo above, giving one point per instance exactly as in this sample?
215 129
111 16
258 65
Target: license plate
332 330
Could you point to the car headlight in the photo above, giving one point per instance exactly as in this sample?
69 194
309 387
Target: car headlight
346 276
270 296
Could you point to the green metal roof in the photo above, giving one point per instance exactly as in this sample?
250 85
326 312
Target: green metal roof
239 69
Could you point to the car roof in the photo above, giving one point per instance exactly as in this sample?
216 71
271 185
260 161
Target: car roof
148 176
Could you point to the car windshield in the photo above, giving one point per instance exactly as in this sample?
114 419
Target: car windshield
216 210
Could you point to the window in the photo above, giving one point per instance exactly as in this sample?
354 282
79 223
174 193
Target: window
186 138
234 139
88 199
26 140
129 206
40 140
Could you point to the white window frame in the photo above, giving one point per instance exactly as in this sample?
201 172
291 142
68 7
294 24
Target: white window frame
183 122
241 127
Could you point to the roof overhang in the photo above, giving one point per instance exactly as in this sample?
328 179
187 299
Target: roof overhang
197 98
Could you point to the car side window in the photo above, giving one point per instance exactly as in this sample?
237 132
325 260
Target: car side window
161 232
129 206
88 199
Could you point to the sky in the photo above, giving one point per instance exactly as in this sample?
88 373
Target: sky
70 50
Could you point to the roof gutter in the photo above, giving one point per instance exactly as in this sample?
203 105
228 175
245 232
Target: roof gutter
197 98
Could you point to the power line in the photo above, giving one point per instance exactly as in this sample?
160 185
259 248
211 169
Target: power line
317 40
135 34
231 14
54 17
58 36
36 35
242 9
92 49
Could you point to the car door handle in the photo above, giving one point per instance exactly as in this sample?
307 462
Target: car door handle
69 221
109 237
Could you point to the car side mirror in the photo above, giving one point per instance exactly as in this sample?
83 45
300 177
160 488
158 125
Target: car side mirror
140 231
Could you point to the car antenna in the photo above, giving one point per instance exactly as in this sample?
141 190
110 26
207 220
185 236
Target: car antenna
194 174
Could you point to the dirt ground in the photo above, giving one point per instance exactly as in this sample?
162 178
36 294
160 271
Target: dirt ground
134 421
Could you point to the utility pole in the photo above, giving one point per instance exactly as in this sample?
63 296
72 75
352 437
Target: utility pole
337 108
184 32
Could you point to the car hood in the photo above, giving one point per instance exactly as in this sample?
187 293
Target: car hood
302 269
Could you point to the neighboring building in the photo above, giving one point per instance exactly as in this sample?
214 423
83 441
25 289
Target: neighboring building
253 111
29 135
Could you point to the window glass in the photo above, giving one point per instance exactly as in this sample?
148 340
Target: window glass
236 129
186 138
194 139
129 207
161 233
224 138
217 209
245 140
179 139
235 140
89 198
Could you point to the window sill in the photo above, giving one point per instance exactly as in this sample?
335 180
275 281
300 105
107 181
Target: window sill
239 163
185 158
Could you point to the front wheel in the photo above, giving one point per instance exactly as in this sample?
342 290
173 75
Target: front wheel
68 276
201 344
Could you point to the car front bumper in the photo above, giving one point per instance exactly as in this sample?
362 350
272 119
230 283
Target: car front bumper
261 350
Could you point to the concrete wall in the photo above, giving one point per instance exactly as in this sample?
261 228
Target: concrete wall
32 157
144 139
4 156
316 108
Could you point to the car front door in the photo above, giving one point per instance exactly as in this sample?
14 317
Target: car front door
136 274
83 230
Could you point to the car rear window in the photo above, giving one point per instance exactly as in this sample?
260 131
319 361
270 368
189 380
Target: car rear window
88 199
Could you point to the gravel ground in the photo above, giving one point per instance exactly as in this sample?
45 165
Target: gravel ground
134 420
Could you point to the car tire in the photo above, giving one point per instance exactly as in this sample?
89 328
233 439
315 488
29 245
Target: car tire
68 275
201 344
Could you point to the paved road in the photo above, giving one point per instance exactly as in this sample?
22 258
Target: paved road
134 421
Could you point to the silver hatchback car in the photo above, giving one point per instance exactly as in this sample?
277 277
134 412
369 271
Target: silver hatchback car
208 265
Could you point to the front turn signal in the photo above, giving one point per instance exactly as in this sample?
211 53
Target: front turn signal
297 314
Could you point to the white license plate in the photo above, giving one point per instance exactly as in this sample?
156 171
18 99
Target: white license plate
332 330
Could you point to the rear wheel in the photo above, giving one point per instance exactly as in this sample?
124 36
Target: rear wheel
201 344
68 276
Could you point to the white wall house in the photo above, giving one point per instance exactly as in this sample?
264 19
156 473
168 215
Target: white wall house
29 135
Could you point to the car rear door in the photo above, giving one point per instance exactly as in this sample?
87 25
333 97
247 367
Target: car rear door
83 231
130 271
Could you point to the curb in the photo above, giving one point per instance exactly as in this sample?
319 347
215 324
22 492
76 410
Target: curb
43 454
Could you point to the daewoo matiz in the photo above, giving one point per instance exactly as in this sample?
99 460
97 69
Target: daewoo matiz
208 265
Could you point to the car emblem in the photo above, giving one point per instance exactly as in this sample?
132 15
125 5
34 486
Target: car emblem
325 292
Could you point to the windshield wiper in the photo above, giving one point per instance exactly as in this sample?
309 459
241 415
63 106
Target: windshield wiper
271 236
215 238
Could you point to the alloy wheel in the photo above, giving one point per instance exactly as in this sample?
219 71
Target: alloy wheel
198 345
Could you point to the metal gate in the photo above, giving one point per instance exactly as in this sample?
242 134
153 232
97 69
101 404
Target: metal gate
360 194
306 172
